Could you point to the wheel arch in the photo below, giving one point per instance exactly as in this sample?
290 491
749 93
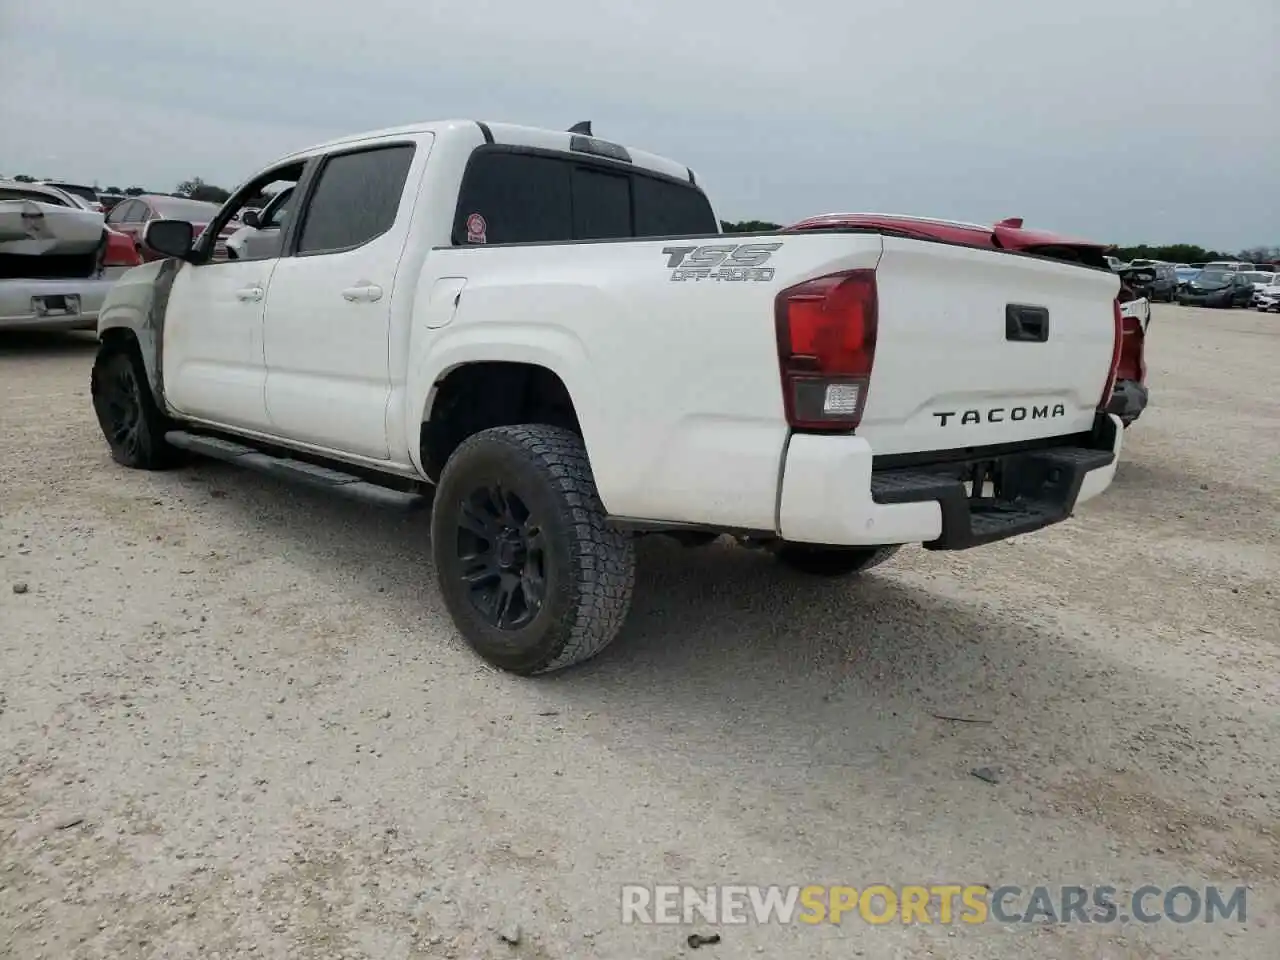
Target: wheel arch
133 314
481 394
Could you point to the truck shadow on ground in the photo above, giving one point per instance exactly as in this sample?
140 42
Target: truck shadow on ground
732 667
36 343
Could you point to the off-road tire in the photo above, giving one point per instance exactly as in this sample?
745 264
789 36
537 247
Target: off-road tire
131 422
832 561
588 565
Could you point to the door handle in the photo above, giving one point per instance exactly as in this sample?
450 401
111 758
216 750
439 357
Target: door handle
250 293
367 292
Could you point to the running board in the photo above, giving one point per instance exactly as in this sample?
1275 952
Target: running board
322 478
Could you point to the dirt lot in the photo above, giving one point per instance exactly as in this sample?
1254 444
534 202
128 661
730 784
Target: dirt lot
235 722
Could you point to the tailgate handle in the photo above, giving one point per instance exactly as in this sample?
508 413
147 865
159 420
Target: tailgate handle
1026 324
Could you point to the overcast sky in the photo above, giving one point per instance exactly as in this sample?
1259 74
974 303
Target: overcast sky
1124 121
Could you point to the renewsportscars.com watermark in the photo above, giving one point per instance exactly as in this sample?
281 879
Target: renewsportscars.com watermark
942 904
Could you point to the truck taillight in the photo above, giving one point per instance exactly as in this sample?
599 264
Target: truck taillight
826 346
1117 344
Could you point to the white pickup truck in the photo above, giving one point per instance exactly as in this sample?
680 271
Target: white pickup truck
547 335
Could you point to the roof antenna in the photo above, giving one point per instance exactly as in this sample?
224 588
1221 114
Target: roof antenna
583 127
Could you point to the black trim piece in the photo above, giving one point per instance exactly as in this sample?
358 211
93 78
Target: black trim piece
1026 324
1128 400
898 461
692 178
635 525
599 148
290 468
485 131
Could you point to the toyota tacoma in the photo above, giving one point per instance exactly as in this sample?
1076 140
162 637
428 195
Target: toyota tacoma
545 336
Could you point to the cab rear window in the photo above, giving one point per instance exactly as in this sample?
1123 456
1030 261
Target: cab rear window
516 197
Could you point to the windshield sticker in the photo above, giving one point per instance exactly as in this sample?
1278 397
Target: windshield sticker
477 229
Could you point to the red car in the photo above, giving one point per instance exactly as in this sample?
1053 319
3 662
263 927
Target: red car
132 215
1129 398
120 254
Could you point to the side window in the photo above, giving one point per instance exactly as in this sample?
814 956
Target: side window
519 198
665 209
528 198
275 216
356 198
601 204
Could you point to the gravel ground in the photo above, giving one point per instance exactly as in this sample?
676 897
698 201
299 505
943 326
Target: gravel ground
235 722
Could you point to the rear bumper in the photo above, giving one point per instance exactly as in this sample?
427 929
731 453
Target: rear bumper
1128 400
20 302
832 493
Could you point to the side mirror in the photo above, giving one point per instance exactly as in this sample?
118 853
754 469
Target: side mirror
173 238
251 219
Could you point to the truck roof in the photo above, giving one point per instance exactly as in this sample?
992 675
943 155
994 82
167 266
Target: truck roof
511 134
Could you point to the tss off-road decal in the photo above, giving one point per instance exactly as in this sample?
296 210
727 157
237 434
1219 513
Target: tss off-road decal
721 261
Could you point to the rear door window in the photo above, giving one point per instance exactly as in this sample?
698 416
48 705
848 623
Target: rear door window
356 198
513 197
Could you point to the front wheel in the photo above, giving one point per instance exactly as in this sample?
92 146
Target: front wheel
127 413
533 574
833 561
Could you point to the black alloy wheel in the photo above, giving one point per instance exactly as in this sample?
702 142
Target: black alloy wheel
131 422
533 573
501 556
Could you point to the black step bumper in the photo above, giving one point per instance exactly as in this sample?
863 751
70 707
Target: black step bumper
1034 488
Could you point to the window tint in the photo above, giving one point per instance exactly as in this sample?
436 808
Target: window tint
522 198
528 198
355 199
601 204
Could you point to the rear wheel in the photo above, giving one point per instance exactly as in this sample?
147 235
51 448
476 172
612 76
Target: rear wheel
533 574
127 413
833 561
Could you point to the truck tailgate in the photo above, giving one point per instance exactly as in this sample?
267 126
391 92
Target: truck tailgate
978 347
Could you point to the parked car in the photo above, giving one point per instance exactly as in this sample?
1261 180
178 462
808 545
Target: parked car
1229 266
1269 299
57 259
1218 288
132 215
575 354
1261 279
1133 308
1164 282
1185 273
88 194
